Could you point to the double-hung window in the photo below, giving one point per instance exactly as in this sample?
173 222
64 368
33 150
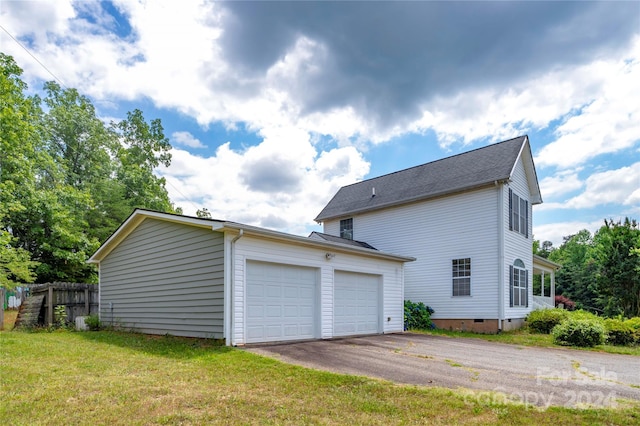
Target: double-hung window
519 284
461 269
346 228
518 214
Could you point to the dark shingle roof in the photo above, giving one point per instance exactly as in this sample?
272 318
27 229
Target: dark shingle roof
449 175
335 239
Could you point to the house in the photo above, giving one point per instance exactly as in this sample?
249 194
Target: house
467 221
171 274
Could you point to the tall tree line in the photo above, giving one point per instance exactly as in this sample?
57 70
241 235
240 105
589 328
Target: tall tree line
67 179
600 272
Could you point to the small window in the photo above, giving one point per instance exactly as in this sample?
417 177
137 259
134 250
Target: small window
518 214
346 228
519 283
461 272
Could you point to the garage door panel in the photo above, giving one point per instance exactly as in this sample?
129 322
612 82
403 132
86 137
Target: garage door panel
288 305
356 304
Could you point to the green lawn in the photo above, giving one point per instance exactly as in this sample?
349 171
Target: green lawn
119 378
525 338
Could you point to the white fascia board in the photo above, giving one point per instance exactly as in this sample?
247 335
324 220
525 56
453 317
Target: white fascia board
312 242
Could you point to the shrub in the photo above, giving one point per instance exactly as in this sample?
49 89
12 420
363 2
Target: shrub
568 303
586 315
93 322
634 323
417 316
618 332
579 332
543 320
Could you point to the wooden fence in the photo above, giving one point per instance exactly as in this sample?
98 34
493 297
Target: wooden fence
77 298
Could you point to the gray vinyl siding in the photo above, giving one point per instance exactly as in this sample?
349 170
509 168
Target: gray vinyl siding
165 278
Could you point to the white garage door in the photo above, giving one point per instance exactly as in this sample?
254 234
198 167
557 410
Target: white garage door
280 302
356 304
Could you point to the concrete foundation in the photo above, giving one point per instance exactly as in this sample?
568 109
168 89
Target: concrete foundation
486 326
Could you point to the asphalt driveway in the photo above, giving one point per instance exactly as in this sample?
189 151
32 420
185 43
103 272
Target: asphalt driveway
494 371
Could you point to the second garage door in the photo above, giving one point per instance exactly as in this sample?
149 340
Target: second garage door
281 301
356 304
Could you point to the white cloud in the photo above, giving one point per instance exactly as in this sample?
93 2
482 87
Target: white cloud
561 183
611 187
255 186
187 139
608 122
555 232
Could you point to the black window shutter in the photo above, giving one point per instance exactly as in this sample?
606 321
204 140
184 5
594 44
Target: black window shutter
510 210
526 217
526 289
511 286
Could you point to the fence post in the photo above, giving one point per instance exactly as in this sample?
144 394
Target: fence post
50 305
86 301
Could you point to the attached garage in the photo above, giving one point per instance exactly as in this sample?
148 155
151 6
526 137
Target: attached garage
357 304
171 274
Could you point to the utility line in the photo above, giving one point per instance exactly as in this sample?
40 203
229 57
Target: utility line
33 56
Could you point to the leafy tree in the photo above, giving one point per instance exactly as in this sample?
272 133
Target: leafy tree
143 148
577 279
618 278
542 249
203 213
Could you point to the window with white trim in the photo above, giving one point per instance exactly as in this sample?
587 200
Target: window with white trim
519 284
518 214
461 272
346 228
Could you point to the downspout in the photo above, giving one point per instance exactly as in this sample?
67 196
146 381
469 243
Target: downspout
232 270
500 254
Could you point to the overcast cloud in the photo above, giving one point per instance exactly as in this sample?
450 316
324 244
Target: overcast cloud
321 83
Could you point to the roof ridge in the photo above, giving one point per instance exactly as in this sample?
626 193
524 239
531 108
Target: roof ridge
434 161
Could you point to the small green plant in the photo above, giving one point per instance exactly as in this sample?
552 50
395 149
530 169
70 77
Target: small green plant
579 332
543 320
618 332
417 316
60 316
93 322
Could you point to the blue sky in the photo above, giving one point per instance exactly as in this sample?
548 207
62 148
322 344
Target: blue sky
272 106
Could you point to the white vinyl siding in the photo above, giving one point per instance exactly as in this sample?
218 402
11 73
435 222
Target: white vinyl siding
435 232
165 278
249 249
517 245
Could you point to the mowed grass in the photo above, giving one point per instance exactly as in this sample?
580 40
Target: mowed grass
524 337
95 378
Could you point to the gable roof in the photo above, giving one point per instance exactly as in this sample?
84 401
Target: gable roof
139 215
462 172
341 240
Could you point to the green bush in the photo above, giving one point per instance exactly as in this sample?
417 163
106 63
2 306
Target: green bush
543 320
417 316
585 315
93 322
634 323
618 332
579 332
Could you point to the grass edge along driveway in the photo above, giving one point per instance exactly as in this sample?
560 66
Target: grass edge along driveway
122 378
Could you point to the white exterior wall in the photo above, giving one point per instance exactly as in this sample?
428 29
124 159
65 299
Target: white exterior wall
517 246
436 232
249 248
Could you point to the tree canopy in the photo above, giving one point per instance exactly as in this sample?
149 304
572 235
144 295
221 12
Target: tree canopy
601 272
68 179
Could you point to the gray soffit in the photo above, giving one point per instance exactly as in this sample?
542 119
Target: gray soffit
458 173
